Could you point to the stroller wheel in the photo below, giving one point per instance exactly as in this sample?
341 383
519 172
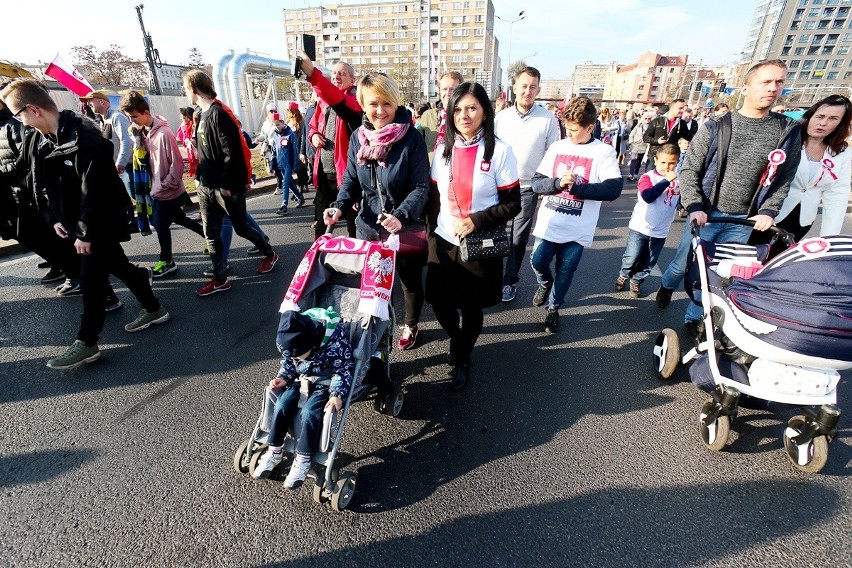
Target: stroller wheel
317 495
243 458
715 434
810 457
666 353
390 404
343 491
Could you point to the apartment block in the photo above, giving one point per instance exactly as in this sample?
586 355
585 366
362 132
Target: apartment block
814 39
654 78
590 79
411 41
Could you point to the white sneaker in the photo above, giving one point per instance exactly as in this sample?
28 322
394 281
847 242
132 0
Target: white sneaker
267 462
298 473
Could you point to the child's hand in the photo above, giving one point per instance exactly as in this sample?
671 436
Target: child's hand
567 180
276 382
335 402
671 176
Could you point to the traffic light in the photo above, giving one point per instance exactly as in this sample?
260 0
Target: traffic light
698 85
722 87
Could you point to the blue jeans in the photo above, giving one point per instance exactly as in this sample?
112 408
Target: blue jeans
567 258
168 212
228 233
286 184
713 233
306 422
640 255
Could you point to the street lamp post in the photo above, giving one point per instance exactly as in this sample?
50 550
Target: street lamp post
511 23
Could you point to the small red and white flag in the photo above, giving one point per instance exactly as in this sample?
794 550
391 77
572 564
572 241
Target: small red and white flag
68 76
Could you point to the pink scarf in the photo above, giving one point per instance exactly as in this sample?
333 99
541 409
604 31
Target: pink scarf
376 144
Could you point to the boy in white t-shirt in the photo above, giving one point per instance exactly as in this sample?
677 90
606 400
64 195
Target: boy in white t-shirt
657 198
575 176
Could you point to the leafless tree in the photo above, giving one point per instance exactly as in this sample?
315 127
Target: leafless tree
110 66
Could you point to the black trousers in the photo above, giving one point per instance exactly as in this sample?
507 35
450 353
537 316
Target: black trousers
214 206
35 234
463 335
107 258
327 194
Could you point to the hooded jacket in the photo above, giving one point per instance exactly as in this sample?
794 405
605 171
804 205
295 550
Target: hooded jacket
405 180
78 175
164 159
348 118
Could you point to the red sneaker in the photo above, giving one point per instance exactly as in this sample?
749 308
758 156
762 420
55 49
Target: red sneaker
267 264
212 287
407 337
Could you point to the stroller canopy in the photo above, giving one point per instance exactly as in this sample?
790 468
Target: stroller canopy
807 293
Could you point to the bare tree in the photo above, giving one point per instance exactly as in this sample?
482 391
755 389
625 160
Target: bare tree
196 59
407 77
110 66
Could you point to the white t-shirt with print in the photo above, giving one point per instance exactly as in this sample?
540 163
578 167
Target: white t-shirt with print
475 183
563 217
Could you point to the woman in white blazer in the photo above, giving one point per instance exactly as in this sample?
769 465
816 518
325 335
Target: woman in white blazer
824 171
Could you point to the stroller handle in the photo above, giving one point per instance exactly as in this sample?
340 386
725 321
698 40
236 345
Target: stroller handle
778 232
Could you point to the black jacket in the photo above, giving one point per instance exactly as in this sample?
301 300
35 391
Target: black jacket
221 163
659 128
405 179
77 172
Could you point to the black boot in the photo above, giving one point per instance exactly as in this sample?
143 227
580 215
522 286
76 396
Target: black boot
459 375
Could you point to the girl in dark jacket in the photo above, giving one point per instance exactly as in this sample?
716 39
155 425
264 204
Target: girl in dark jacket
387 173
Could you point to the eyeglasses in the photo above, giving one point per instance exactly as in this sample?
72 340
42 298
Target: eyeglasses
16 115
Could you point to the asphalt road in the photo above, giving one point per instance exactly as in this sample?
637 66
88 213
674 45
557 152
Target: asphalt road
564 450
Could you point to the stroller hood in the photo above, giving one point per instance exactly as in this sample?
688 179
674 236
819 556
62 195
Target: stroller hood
807 293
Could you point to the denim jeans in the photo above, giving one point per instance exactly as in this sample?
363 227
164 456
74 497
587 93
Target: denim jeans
713 233
228 233
214 208
520 227
165 213
286 184
306 422
640 255
634 165
567 258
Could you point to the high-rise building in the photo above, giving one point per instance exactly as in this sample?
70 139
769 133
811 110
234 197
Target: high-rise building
813 37
411 41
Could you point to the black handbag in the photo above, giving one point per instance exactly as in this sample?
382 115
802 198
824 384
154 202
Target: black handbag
490 243
480 245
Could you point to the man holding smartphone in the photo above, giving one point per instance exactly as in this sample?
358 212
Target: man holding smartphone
338 114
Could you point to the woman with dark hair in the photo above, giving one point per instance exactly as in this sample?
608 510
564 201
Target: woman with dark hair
823 175
475 187
387 173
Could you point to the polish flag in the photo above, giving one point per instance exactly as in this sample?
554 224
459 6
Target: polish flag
68 76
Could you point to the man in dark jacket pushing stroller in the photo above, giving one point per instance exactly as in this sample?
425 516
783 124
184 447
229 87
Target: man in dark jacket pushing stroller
315 375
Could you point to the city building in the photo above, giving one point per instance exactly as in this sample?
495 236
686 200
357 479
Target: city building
814 39
169 77
590 79
411 41
555 90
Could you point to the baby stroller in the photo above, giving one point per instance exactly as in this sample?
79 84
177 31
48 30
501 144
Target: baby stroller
773 332
355 278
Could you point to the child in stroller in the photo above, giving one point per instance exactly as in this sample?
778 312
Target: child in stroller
315 376
773 333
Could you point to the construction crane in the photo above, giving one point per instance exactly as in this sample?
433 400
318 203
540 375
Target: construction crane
151 54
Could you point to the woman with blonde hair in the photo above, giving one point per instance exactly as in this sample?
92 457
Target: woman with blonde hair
387 173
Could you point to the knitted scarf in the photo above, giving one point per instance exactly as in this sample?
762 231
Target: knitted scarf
376 144
245 148
140 179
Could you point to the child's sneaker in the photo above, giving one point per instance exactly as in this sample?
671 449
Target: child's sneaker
508 292
620 283
551 320
541 294
162 268
407 337
298 473
635 289
267 462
